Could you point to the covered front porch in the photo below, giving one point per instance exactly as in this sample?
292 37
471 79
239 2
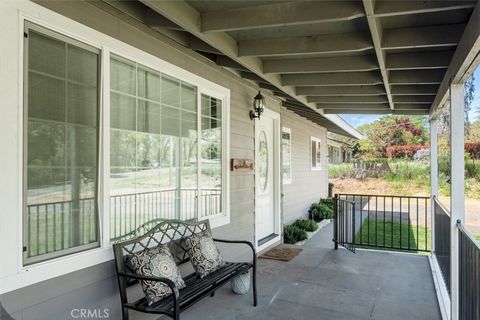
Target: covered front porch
314 61
322 283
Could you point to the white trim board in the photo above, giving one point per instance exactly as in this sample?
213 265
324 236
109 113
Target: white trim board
441 290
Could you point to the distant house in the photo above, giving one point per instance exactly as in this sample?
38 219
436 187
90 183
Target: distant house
339 151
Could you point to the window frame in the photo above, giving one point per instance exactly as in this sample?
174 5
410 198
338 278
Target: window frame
17 275
318 145
287 181
27 27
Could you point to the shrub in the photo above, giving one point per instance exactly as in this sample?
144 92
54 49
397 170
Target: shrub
473 149
315 212
329 202
422 155
472 170
322 210
403 151
292 234
306 224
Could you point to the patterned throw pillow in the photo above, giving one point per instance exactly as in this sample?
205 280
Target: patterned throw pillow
157 262
204 254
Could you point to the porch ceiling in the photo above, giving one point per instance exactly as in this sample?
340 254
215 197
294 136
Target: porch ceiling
328 56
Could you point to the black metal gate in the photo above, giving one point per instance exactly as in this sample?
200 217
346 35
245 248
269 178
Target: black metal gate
344 224
383 222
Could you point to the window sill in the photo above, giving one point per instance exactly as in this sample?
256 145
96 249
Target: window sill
54 268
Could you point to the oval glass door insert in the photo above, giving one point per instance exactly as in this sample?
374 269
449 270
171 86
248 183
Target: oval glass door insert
263 160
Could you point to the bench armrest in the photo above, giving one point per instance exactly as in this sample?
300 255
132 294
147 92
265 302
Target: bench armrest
167 281
248 243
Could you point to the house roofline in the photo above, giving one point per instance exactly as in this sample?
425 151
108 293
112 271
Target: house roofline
337 120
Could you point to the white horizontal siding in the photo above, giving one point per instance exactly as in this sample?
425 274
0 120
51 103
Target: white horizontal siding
307 186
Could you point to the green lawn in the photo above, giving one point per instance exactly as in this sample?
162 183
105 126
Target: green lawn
376 235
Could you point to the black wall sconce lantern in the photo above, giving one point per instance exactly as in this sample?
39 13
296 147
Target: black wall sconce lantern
258 106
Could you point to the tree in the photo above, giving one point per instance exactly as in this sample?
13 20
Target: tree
392 130
468 98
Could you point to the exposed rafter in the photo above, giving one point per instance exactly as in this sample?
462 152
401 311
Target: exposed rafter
199 45
341 91
312 65
413 99
225 61
329 43
332 79
340 106
190 20
395 8
252 76
332 65
422 37
376 111
416 77
349 99
412 90
154 20
376 32
418 60
281 14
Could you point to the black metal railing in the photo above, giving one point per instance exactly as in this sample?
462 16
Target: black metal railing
51 225
469 275
442 241
391 222
344 224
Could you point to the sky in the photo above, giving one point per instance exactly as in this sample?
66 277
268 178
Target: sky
357 120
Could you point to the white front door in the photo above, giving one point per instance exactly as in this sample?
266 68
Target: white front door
266 178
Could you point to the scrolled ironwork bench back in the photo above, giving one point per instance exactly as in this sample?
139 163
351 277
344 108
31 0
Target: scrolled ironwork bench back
171 232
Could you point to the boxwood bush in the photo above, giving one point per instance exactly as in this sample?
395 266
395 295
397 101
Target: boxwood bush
292 234
322 210
306 224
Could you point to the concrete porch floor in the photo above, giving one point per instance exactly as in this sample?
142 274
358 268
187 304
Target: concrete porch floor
321 283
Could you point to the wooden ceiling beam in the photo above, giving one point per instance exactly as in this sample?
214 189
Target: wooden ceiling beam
376 31
318 44
313 65
280 15
422 37
341 91
332 79
348 99
396 8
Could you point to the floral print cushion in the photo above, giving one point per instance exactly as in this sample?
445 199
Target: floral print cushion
204 254
157 262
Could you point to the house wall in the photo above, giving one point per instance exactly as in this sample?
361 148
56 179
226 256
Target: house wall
307 185
95 287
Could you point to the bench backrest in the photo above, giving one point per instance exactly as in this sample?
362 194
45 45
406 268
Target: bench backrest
171 232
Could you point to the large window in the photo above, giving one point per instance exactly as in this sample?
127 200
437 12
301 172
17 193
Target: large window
61 145
158 169
286 155
316 152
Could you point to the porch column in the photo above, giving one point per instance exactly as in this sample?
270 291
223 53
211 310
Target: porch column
457 206
433 175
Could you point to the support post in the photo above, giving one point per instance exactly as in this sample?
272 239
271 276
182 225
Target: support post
433 175
457 206
335 222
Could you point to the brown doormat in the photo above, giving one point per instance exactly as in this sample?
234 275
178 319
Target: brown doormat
282 253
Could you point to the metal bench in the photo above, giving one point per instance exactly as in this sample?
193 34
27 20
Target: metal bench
174 232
